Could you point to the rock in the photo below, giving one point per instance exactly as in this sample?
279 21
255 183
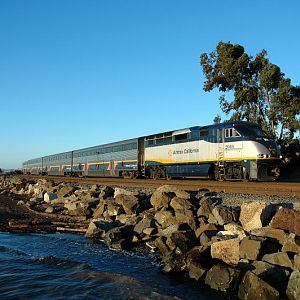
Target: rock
292 244
287 219
168 230
227 251
250 249
65 189
182 241
98 228
222 278
163 195
161 244
270 232
49 210
48 197
224 214
225 235
124 219
149 231
271 274
173 263
196 270
255 215
278 259
98 212
211 229
162 200
297 262
181 204
165 218
119 238
207 204
20 203
146 222
114 210
129 203
200 254
293 289
252 287
235 229
106 191
123 192
185 216
71 206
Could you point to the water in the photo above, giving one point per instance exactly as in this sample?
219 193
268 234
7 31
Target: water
66 266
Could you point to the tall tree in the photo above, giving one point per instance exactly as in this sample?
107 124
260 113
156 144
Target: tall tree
260 91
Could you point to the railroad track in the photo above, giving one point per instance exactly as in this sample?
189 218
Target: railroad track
254 188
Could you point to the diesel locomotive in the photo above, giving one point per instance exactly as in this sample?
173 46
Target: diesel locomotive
226 151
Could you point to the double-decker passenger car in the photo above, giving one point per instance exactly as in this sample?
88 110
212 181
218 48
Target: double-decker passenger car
232 150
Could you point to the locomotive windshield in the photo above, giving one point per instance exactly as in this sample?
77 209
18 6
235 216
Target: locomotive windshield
251 131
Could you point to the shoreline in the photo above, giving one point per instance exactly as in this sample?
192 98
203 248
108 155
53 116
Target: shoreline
227 242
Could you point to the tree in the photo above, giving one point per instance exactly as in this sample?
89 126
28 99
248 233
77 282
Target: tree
260 91
217 119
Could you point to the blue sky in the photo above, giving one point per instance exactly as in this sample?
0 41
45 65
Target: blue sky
76 73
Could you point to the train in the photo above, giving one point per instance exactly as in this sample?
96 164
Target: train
235 150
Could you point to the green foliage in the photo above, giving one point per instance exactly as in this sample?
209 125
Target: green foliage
261 92
217 119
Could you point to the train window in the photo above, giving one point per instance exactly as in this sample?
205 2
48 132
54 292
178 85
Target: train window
159 141
181 137
168 140
231 132
204 132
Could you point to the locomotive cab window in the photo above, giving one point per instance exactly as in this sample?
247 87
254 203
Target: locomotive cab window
180 137
231 133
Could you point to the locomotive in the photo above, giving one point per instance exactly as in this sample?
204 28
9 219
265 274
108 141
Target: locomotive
235 150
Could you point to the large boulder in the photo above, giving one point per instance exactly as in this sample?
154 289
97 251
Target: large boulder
163 195
123 192
227 251
129 203
235 229
182 241
146 222
185 216
98 228
181 204
270 232
279 259
207 204
119 238
224 215
161 200
255 215
292 244
252 287
287 219
222 278
165 218
250 249
275 276
211 229
196 270
65 190
293 289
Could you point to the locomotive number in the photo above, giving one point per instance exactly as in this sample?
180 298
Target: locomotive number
229 147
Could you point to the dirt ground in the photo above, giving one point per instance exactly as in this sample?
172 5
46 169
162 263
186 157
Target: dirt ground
20 218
